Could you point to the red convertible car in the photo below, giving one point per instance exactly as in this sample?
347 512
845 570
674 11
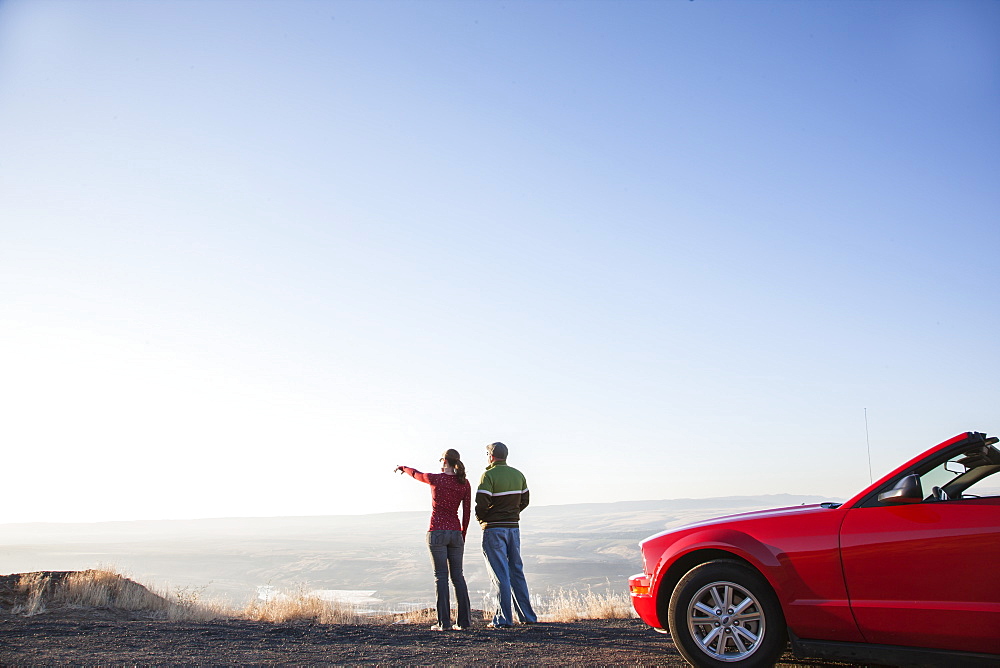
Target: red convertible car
905 573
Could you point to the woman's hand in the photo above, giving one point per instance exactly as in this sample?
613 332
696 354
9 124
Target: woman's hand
398 469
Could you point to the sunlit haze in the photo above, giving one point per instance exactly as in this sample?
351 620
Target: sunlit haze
254 255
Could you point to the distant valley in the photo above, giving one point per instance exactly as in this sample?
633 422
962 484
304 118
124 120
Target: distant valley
576 547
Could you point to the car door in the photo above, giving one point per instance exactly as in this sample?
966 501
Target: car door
926 574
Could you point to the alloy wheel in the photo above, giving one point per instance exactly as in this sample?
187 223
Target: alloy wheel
726 621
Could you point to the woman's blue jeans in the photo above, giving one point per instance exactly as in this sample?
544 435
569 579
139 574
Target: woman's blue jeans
447 548
502 548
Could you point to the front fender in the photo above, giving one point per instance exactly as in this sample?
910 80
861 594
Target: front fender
688 550
709 540
802 566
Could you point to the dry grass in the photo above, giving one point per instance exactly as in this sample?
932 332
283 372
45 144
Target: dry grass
569 605
104 590
303 607
423 616
109 591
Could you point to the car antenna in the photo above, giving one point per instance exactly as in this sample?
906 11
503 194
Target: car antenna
868 442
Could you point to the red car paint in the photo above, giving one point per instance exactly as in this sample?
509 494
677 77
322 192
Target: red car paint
919 574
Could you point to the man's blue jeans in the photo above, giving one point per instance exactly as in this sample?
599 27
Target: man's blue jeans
502 548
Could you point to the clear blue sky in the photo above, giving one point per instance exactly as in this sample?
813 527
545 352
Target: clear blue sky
253 255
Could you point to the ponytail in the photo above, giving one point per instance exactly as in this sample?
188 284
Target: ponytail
454 460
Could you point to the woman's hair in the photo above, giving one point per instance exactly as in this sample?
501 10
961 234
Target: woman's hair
454 459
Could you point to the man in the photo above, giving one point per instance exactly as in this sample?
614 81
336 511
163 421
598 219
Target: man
502 495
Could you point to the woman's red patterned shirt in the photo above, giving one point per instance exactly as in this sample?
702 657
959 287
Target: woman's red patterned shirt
446 496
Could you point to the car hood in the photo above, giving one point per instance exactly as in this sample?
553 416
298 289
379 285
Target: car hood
752 515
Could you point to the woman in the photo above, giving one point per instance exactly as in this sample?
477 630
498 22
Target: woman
446 535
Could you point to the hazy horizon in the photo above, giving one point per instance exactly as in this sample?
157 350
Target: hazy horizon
631 503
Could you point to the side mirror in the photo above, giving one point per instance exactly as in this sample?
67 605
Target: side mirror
907 490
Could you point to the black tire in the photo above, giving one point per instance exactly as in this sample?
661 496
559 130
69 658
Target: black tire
750 631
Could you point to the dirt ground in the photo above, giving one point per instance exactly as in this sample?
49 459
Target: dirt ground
67 633
41 641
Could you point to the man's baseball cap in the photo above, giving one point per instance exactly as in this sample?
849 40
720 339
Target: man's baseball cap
498 450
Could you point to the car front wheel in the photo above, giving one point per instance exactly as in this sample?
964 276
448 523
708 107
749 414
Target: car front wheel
724 613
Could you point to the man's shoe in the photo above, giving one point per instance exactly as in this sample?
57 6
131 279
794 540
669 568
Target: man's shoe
491 625
439 627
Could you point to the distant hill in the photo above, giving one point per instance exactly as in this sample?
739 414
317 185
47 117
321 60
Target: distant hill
576 546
